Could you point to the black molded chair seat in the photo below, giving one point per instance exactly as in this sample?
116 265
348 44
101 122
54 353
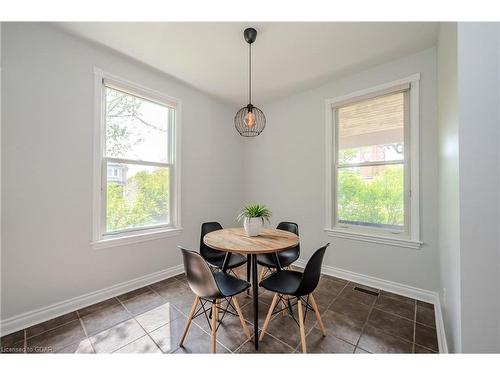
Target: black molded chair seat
229 285
283 282
215 257
286 258
298 285
236 260
213 289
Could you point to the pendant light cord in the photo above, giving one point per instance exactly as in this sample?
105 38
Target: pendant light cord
250 73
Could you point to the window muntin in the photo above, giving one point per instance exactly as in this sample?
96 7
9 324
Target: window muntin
370 164
138 162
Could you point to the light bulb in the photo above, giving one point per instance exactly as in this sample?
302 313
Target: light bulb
250 120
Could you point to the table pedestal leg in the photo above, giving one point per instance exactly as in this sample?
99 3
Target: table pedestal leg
255 296
249 263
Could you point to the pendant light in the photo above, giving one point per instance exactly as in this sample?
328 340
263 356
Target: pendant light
250 120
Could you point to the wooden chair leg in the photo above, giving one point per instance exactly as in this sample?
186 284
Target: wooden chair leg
318 315
284 302
301 326
237 273
242 320
189 319
269 315
215 318
262 273
217 310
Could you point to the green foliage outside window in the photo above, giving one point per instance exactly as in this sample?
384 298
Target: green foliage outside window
142 201
377 201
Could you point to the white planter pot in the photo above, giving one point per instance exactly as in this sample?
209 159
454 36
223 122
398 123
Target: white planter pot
253 226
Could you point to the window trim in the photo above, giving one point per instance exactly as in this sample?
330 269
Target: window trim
411 237
128 236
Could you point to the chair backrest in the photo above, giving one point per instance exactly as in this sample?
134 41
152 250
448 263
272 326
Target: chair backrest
293 228
198 274
289 227
312 272
207 252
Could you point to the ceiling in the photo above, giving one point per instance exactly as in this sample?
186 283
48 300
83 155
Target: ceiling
287 57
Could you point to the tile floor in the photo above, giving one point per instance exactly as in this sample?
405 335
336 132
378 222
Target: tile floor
151 319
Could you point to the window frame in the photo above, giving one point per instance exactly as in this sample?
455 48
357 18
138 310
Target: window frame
410 236
100 237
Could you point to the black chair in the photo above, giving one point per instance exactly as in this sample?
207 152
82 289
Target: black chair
215 257
286 257
287 285
210 288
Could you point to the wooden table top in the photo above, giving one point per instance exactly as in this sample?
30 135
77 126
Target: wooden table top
235 240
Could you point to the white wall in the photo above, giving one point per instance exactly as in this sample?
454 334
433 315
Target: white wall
449 205
47 125
479 119
285 168
498 233
1 26
498 272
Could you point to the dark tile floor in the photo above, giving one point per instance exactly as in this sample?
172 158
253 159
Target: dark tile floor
151 319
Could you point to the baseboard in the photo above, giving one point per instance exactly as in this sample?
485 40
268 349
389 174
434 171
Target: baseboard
390 286
43 314
443 343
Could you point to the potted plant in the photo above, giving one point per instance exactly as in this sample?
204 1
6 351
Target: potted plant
253 216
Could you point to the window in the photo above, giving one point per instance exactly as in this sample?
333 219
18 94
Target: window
137 164
372 171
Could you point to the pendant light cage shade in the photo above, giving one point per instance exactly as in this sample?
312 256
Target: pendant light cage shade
248 125
250 121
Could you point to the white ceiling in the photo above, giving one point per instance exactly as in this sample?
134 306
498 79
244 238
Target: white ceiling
287 57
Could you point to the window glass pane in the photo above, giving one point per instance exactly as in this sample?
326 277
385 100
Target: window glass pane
137 196
136 128
372 130
371 196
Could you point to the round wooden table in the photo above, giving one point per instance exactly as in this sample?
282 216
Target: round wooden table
235 240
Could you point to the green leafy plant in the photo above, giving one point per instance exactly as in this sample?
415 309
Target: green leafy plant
255 210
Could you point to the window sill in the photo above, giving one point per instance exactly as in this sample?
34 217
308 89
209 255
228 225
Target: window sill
135 238
383 240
